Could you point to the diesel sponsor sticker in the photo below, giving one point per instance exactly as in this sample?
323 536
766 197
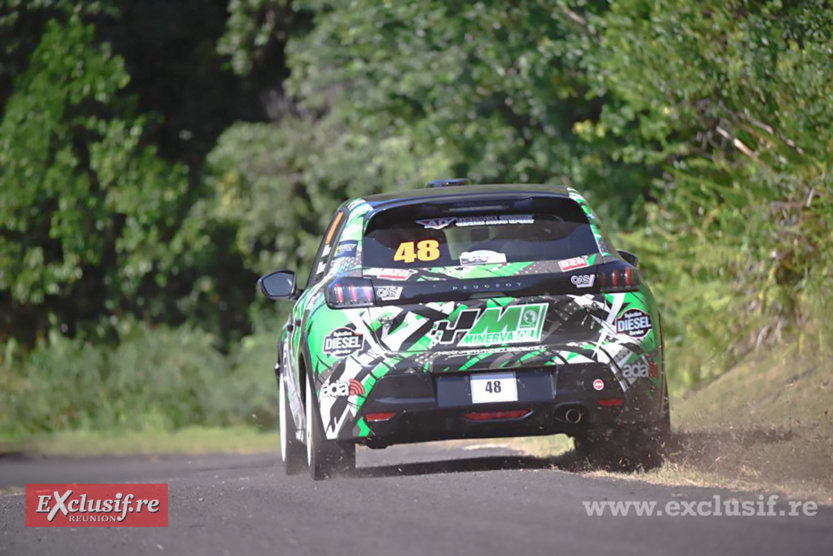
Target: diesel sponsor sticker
96 505
636 323
342 342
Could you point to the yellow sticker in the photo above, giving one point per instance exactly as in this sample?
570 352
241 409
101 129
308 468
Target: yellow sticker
425 250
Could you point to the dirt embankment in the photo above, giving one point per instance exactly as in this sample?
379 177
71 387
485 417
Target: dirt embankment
766 425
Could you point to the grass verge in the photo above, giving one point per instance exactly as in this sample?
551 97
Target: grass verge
766 425
190 440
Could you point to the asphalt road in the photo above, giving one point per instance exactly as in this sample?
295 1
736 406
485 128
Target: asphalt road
437 499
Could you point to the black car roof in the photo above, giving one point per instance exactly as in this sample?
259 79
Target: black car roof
464 193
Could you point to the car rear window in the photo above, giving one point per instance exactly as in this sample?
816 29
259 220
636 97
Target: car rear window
416 237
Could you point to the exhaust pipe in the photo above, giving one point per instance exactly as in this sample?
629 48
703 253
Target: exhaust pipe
573 416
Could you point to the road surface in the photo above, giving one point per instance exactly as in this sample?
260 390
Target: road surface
442 498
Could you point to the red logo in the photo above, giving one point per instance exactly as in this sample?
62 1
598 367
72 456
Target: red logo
396 273
356 388
99 505
574 263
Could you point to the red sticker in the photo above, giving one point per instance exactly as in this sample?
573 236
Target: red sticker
598 384
574 263
98 505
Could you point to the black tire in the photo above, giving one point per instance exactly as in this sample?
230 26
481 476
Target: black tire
292 451
325 458
628 447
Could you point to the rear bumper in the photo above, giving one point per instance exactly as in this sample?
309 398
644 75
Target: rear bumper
419 407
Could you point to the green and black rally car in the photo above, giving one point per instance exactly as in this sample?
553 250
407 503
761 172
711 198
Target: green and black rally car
464 312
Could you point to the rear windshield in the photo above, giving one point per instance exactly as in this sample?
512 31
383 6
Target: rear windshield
408 238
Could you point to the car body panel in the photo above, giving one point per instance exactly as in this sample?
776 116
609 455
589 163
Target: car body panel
348 351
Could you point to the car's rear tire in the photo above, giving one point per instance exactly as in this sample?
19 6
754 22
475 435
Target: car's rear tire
292 451
325 458
628 447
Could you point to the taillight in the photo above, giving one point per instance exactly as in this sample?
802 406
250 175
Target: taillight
379 417
350 292
618 278
498 415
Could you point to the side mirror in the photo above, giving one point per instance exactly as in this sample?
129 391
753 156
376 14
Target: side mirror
630 258
278 285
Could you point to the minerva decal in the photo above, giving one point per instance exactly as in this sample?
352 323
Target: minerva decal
494 326
342 342
636 323
574 263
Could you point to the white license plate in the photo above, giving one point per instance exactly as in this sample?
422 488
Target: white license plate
494 387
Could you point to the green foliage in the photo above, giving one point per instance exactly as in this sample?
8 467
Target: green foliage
159 379
495 88
733 101
704 127
85 207
279 185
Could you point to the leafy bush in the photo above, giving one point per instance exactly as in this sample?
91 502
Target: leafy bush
159 378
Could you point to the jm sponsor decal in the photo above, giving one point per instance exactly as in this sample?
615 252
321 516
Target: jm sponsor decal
494 326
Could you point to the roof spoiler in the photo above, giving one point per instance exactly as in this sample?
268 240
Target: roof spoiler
449 182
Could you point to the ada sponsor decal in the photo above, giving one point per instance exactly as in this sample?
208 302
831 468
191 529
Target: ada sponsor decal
636 323
342 342
638 369
388 293
583 280
391 273
96 505
574 263
342 388
435 223
516 324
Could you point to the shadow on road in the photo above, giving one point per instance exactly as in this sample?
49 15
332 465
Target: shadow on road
565 462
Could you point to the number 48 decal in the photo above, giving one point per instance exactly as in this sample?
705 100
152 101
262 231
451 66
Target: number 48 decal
493 387
425 250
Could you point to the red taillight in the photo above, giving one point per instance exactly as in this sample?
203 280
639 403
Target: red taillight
377 417
350 292
617 279
615 402
497 415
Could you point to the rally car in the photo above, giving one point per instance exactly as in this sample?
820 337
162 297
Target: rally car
468 312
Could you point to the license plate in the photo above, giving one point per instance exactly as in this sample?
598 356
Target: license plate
494 387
